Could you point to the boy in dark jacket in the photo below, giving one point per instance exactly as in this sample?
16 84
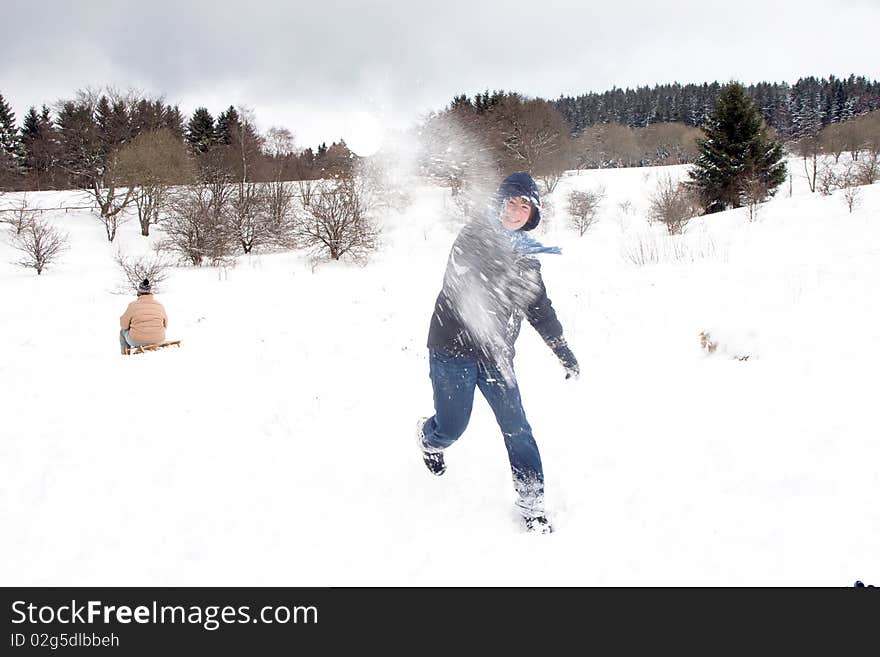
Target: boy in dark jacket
492 281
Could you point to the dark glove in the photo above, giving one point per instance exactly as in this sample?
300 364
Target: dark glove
566 357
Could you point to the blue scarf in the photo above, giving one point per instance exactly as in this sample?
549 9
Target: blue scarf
525 245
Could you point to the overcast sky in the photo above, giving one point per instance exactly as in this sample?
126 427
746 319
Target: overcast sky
325 68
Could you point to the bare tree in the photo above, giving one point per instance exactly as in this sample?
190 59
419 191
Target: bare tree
754 192
809 148
583 206
585 149
136 269
277 195
281 216
247 215
250 219
91 130
247 144
306 188
40 243
150 164
337 223
864 134
111 203
196 225
550 180
868 169
672 204
667 143
19 215
828 180
279 142
852 194
532 135
620 146
833 140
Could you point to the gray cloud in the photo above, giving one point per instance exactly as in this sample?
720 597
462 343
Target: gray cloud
309 65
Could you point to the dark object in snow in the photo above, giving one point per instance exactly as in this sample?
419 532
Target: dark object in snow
861 585
433 458
538 524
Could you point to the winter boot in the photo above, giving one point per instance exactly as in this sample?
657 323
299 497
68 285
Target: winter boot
530 504
538 524
433 457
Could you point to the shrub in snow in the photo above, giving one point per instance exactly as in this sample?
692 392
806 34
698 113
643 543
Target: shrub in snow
643 249
828 180
18 216
868 169
852 195
673 205
40 244
338 223
136 269
197 224
583 206
549 181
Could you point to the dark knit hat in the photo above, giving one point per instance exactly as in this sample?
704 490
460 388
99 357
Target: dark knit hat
145 287
521 184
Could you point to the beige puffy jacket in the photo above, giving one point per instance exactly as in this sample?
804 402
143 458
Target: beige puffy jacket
146 319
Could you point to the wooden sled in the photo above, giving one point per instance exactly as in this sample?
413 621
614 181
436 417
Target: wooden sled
151 347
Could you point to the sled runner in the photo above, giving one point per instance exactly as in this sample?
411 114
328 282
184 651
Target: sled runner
151 347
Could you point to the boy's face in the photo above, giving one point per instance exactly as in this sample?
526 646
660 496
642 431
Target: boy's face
516 213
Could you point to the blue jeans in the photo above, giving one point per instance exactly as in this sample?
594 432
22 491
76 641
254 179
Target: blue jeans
454 379
126 341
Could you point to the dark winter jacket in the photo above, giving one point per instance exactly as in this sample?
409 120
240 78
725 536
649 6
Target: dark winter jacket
490 284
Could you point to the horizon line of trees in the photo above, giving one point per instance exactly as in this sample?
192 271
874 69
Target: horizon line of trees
72 143
791 110
476 140
218 188
76 144
215 186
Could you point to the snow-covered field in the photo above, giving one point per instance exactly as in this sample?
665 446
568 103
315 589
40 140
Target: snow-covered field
276 446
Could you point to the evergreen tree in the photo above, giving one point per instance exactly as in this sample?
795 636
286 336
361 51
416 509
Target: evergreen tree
173 120
103 118
200 134
79 145
118 126
30 127
737 155
461 102
114 127
31 134
10 145
228 124
40 147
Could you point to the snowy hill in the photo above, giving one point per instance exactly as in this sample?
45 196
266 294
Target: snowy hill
276 446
